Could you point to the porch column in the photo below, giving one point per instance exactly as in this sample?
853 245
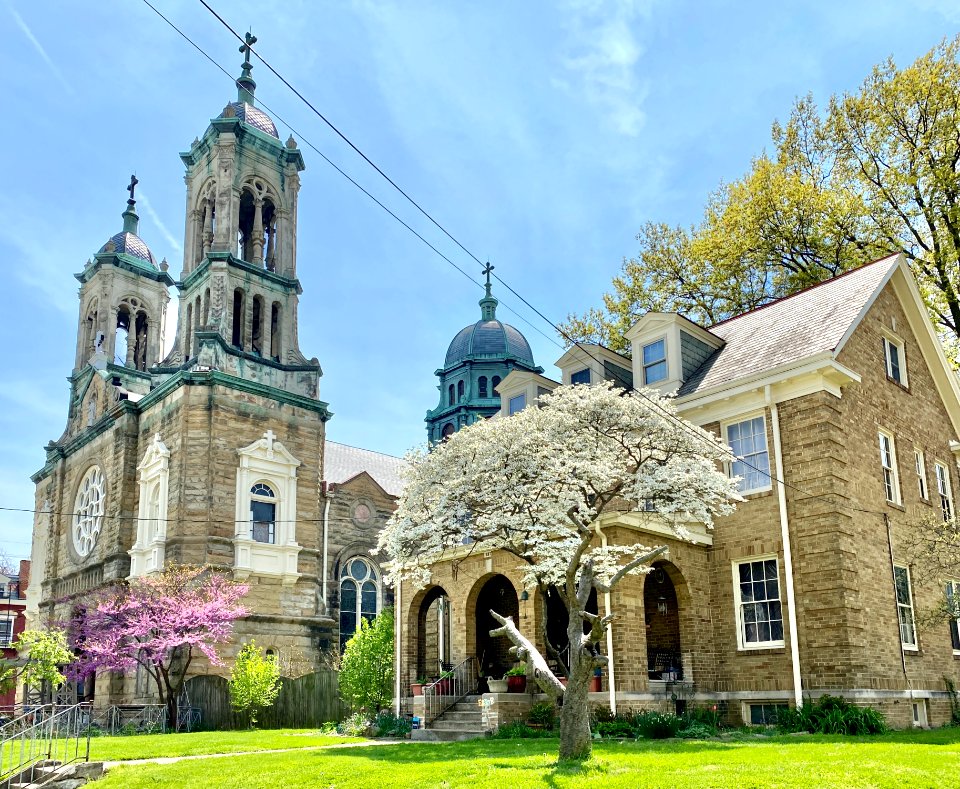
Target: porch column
397 647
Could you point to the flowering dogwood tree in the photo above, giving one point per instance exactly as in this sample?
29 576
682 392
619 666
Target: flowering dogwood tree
534 485
159 623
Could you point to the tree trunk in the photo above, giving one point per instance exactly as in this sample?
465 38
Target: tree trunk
575 738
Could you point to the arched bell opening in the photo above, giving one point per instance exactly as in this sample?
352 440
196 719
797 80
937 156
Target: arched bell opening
256 336
121 336
662 620
557 622
433 634
141 326
275 331
495 593
237 317
256 226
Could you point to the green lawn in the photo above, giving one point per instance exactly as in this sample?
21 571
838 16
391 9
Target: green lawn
148 746
897 761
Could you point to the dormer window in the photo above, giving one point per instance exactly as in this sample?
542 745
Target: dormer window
654 362
580 377
518 403
895 360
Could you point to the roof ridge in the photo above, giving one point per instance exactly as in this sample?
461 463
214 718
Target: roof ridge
801 291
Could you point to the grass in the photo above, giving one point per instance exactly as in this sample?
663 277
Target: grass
901 760
149 746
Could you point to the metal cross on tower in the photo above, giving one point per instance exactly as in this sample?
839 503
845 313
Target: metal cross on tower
246 48
133 185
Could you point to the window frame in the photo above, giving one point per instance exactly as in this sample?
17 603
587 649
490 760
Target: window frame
742 644
521 399
272 500
952 592
584 372
891 342
920 466
375 576
644 364
894 474
944 489
725 429
747 711
905 645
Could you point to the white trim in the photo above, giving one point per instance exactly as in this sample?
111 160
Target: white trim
915 646
148 553
724 427
920 467
944 489
742 644
642 366
898 260
891 340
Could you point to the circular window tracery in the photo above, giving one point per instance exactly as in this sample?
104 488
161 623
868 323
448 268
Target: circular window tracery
88 512
362 512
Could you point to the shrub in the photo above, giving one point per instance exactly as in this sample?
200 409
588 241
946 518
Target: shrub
388 725
254 681
697 731
708 717
357 725
543 714
601 715
832 715
366 670
657 725
616 728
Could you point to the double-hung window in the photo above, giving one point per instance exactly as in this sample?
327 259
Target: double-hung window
921 467
517 403
759 612
748 440
580 377
908 628
953 612
6 632
943 490
888 463
895 361
654 362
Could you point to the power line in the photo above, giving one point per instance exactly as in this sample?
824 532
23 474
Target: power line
573 342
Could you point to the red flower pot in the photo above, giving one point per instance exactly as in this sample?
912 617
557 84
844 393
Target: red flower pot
595 685
516 684
416 688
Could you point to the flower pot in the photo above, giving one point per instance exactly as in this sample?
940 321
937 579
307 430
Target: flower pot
416 688
497 685
595 684
444 687
516 684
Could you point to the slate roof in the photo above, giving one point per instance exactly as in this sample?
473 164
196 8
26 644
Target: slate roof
794 328
342 463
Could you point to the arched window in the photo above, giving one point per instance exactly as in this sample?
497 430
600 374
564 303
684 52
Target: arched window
496 383
121 337
275 331
88 511
263 514
256 338
359 595
447 430
450 395
187 334
459 390
237 329
482 386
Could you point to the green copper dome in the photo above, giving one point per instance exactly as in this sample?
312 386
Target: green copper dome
489 339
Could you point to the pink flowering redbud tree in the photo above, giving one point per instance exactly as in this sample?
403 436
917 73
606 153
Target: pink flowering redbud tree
159 622
534 485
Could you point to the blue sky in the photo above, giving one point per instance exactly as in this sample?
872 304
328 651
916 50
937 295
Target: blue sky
542 135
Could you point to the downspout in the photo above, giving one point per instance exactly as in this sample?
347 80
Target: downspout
397 644
787 552
326 530
606 611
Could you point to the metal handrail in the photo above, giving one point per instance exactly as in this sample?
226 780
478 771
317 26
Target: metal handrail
49 733
442 694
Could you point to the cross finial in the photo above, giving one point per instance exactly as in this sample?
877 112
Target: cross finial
133 185
270 436
246 48
486 270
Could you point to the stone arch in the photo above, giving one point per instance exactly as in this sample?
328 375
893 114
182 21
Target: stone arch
668 622
491 591
429 623
258 210
204 217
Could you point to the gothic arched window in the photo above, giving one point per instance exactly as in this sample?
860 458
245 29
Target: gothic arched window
496 383
459 390
359 595
450 395
263 513
482 386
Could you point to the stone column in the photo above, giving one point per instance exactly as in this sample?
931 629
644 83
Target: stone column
257 233
207 226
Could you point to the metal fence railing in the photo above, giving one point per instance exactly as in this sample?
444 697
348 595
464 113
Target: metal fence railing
45 735
453 685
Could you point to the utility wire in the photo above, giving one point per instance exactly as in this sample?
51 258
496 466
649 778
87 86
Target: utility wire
575 343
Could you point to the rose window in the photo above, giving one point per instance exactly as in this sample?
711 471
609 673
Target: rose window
88 512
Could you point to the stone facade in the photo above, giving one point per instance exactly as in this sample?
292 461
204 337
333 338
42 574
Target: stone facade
677 637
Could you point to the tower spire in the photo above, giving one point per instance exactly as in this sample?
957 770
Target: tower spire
131 222
488 304
245 84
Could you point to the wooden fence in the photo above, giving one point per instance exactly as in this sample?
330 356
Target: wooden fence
302 703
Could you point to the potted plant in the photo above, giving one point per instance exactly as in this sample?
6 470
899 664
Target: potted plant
516 678
497 685
416 688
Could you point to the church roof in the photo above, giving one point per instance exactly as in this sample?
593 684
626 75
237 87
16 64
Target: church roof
125 243
813 321
341 463
252 116
489 339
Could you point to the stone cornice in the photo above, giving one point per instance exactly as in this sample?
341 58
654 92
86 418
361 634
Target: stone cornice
285 283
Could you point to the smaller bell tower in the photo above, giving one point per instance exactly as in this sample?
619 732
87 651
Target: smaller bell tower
239 290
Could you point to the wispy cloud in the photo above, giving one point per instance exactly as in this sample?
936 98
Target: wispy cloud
155 218
604 51
40 50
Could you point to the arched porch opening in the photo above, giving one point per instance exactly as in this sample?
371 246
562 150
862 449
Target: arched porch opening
433 634
496 592
557 621
662 615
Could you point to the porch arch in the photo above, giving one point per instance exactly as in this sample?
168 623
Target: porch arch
668 623
497 592
430 622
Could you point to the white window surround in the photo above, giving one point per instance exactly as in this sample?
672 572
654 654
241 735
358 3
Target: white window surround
760 458
920 465
743 644
894 357
903 591
888 467
148 552
944 491
920 713
664 360
267 461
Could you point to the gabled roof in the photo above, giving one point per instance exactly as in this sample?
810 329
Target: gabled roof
814 321
341 463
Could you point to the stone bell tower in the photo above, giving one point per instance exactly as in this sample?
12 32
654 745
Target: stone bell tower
239 289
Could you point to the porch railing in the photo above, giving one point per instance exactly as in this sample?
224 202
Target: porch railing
441 695
46 735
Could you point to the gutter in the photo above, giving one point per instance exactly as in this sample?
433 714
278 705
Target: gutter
787 552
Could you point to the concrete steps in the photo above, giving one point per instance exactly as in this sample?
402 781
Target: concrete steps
463 721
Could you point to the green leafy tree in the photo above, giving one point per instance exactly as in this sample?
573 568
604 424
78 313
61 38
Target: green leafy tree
254 681
875 174
42 653
366 668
